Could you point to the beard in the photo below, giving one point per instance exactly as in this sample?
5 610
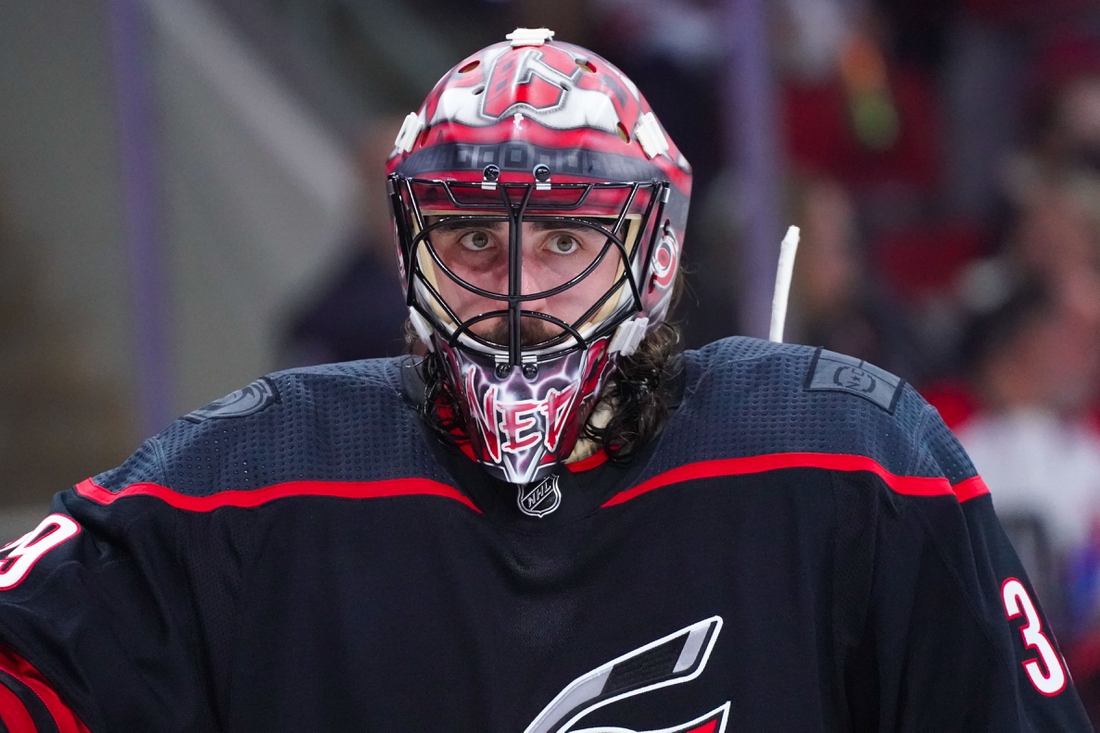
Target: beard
532 331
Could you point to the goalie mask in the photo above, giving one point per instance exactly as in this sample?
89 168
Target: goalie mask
539 209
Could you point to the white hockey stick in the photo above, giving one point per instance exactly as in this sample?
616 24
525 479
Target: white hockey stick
783 283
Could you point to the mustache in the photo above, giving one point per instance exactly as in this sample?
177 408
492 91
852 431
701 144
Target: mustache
531 331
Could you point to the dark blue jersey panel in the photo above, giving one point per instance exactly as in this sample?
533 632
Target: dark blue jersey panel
341 422
745 397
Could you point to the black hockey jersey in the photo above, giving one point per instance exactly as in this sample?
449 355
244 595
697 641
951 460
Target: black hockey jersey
805 548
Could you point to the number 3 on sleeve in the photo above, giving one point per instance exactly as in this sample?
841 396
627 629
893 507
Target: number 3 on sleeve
1049 677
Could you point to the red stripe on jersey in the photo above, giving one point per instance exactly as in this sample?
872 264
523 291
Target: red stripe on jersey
255 497
971 488
910 485
21 669
13 713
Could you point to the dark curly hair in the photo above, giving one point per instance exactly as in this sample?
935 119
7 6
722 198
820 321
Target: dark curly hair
641 392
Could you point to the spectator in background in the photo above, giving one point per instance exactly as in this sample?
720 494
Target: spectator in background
360 313
1057 234
1063 103
1049 223
835 304
866 118
853 113
1035 368
1055 182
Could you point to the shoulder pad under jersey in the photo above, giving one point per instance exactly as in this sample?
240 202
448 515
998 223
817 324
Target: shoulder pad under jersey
338 422
745 397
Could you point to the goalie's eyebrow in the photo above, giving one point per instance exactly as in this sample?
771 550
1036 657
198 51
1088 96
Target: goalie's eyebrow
545 225
540 225
453 224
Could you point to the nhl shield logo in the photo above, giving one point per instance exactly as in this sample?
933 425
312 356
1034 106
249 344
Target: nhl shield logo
539 499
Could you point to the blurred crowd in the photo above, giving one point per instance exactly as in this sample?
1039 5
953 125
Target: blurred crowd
946 170
943 161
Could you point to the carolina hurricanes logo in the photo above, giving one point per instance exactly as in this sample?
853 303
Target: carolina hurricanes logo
558 89
664 261
673 660
532 77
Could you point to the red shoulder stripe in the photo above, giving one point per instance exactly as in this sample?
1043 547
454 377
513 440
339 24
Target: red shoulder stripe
255 497
910 485
971 488
21 669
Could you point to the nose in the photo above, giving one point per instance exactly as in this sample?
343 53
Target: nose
532 282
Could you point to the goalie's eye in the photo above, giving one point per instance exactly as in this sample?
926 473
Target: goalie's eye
564 244
476 241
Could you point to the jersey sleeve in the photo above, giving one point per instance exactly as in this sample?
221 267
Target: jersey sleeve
96 625
29 703
956 634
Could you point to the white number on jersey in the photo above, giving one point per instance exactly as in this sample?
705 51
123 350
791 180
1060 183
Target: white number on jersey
1049 677
28 549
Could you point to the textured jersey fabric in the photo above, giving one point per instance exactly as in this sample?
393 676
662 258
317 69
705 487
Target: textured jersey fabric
805 548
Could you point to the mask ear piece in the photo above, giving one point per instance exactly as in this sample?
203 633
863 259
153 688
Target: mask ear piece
628 336
423 330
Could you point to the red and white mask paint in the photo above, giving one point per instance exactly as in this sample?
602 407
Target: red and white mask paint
539 209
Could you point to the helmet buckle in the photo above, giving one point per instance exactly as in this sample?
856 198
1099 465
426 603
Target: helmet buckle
541 173
410 130
529 36
649 135
489 177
